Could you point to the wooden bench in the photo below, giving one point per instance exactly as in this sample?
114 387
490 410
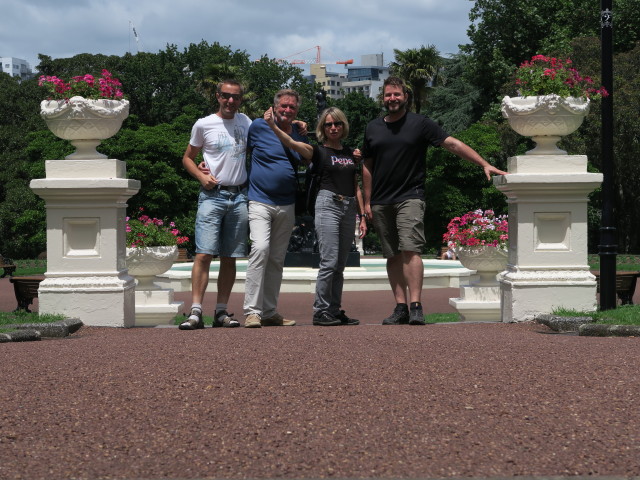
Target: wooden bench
26 289
625 285
7 266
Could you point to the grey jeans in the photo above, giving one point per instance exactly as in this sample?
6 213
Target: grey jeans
335 227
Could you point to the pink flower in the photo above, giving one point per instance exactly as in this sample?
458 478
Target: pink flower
83 85
478 228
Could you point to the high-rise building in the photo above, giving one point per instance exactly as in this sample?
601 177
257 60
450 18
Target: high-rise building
16 67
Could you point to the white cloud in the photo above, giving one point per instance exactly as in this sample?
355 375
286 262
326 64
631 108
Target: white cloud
278 29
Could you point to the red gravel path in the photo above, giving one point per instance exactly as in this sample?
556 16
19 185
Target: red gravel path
490 400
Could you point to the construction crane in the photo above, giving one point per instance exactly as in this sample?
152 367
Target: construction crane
135 34
317 59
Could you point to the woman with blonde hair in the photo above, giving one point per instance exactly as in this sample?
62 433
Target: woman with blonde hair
339 200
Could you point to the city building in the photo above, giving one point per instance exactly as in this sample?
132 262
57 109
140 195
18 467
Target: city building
16 67
331 81
366 78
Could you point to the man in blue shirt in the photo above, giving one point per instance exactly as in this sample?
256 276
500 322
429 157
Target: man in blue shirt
272 189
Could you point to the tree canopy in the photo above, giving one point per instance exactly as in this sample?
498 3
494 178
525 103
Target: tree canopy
170 89
419 68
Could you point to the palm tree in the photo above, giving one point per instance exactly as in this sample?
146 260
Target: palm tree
419 68
214 74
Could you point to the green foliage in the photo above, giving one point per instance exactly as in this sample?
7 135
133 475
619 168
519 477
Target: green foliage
167 92
455 186
144 231
626 125
265 77
170 89
553 76
360 110
154 156
504 33
453 102
419 68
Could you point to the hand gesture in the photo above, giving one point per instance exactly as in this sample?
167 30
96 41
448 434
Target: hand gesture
269 117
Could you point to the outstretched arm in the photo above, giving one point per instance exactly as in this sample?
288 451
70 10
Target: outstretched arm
464 151
302 148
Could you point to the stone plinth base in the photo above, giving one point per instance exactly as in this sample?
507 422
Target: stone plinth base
156 307
528 294
86 274
478 304
104 301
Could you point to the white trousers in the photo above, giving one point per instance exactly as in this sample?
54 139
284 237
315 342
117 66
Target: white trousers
270 228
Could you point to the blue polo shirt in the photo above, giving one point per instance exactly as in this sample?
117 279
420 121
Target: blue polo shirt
271 176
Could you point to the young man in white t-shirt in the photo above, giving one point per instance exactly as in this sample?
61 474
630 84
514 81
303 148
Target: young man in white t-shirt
222 219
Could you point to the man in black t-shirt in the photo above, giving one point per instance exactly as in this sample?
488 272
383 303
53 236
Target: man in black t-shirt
394 154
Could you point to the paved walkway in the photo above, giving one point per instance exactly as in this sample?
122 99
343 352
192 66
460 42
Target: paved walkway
448 400
368 306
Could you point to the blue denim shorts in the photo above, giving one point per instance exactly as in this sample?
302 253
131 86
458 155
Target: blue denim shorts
222 223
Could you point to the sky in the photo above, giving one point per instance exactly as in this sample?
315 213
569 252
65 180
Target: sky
344 29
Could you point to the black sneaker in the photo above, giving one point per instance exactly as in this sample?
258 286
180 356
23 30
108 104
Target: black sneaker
194 322
346 320
400 316
223 319
325 319
416 317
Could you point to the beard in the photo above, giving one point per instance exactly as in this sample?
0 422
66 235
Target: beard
393 107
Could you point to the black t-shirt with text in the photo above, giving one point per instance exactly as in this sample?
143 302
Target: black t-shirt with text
337 169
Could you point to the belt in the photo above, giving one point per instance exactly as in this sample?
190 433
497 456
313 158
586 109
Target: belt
230 188
341 198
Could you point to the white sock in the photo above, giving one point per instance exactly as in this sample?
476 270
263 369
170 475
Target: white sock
195 306
220 307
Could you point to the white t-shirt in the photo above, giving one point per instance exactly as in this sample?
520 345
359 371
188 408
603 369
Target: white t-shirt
224 146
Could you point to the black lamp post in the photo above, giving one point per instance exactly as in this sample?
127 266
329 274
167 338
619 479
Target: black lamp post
608 243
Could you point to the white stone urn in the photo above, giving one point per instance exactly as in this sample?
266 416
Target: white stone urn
85 122
486 260
144 263
545 118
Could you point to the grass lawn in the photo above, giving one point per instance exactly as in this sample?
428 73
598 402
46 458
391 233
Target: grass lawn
623 315
624 262
30 267
442 317
8 318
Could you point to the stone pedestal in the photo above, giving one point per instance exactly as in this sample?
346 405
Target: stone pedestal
86 274
478 304
479 301
547 266
156 307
